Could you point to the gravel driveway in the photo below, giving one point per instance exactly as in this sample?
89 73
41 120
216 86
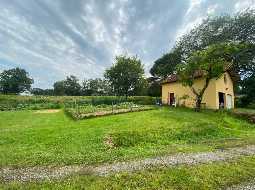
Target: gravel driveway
44 173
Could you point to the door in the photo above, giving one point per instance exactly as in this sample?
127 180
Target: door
172 100
221 100
229 101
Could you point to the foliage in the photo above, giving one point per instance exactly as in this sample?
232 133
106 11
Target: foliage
15 81
95 87
126 76
209 63
238 28
70 87
248 89
166 65
40 92
59 88
154 87
13 102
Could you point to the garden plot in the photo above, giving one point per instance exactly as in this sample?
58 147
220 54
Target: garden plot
90 111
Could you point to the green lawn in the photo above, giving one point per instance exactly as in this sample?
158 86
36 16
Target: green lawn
29 139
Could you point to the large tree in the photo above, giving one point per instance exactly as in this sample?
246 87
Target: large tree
209 63
166 65
59 88
15 81
248 89
95 87
126 76
70 87
239 28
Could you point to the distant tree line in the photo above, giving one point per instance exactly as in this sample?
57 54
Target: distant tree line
125 78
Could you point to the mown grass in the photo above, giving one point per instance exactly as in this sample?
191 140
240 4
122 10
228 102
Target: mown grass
33 139
206 176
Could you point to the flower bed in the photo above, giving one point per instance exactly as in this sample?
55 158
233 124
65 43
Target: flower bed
90 111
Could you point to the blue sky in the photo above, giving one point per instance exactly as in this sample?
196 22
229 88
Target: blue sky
53 39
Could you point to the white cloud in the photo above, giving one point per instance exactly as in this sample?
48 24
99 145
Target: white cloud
52 39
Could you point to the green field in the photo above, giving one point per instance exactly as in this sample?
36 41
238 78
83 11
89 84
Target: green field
28 138
31 138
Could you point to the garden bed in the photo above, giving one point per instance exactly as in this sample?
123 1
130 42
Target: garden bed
90 111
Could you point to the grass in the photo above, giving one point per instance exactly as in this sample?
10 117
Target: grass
207 176
33 139
245 110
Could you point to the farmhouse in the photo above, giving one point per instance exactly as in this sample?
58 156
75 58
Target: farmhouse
219 93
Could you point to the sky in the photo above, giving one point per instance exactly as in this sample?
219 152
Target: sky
52 39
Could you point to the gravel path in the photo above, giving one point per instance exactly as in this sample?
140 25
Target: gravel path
44 173
245 186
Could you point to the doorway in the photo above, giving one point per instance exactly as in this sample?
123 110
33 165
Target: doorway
221 100
172 99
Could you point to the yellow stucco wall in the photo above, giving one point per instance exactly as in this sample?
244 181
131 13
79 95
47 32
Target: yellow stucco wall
226 88
210 99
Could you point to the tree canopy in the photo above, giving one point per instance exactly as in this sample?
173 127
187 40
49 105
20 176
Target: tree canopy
95 87
126 76
70 87
166 65
239 28
15 81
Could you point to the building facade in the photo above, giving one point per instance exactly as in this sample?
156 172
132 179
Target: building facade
219 93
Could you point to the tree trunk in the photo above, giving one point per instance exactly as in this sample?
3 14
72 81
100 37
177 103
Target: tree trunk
198 103
199 95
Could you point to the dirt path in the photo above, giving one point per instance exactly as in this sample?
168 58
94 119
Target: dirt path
42 173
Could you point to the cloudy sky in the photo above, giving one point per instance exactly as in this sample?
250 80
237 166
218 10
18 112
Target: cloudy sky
53 39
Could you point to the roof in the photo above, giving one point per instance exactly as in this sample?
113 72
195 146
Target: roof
174 77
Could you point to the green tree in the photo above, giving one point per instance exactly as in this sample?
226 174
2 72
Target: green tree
59 88
15 81
239 28
154 86
95 87
126 76
209 63
166 65
70 87
248 89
